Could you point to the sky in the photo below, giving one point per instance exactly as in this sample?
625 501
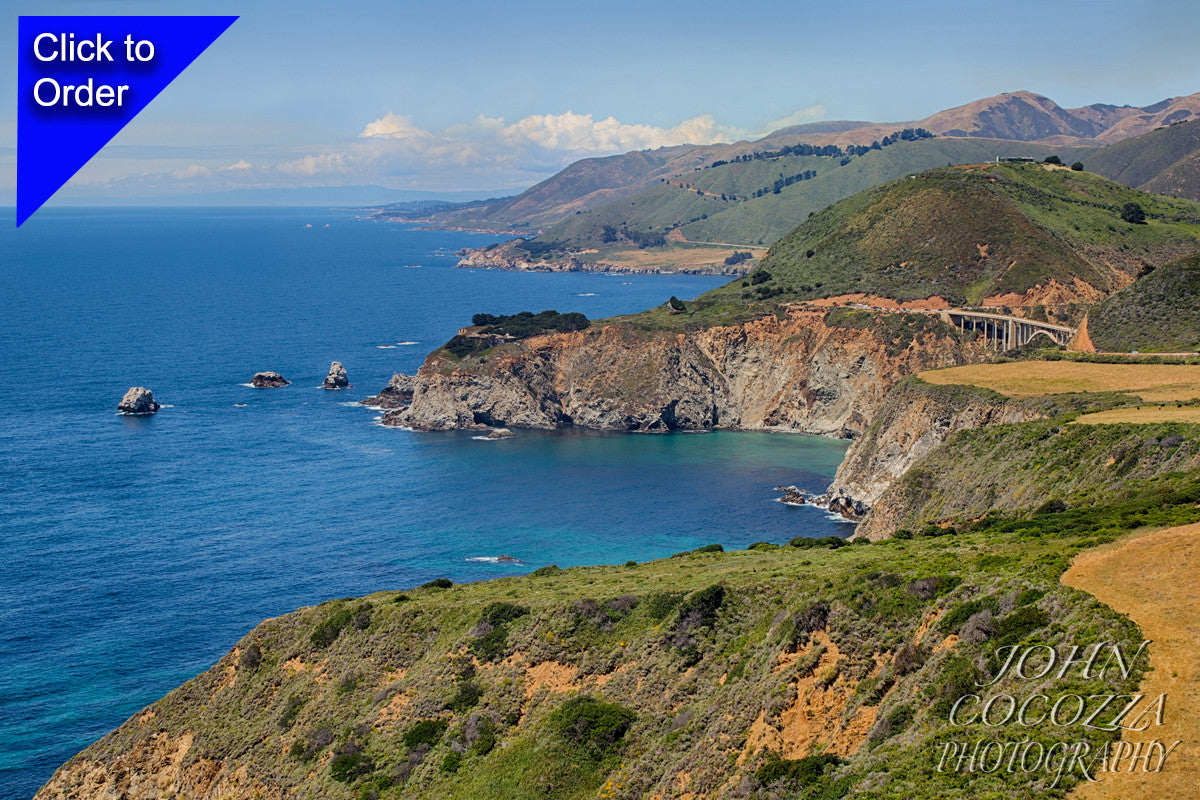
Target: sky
486 98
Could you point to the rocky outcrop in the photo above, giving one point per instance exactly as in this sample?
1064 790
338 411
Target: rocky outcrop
268 380
138 400
796 372
397 394
500 433
337 378
917 418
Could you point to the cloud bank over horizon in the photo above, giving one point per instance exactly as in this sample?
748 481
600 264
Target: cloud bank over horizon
486 154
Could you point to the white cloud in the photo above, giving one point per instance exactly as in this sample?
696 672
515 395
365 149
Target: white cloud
567 132
810 114
484 154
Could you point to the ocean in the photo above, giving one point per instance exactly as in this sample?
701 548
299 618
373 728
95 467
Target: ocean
134 552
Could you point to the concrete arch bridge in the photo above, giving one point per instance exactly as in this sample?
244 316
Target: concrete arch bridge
1005 332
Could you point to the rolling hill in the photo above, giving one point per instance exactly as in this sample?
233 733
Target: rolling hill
1160 312
1164 161
1015 234
1011 117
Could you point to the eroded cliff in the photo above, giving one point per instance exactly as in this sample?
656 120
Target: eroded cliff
801 369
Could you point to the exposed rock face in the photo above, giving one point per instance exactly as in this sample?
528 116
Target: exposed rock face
398 392
795 373
268 380
336 379
916 418
138 400
500 433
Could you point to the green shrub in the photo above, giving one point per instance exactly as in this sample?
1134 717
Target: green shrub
502 613
710 548
251 657
660 604
543 572
808 542
452 762
1014 627
805 771
426 732
466 698
437 583
347 767
703 604
490 646
591 724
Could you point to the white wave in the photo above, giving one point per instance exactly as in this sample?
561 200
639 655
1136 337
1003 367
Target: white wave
379 421
585 294
248 385
167 405
239 405
490 438
492 560
406 344
385 346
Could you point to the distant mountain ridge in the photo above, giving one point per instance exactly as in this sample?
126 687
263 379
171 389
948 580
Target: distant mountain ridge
1011 124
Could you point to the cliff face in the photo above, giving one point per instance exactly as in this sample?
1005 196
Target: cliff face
916 419
800 373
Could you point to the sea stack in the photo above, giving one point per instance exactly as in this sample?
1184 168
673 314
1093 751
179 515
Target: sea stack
336 379
138 400
268 380
398 392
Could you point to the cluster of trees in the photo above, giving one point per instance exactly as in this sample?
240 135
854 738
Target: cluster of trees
782 182
830 150
641 239
525 324
737 257
521 325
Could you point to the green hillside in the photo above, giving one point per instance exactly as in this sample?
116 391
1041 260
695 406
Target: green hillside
1159 312
624 681
1143 159
757 201
966 233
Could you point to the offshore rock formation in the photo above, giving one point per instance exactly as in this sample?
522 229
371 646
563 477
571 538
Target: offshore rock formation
915 420
268 380
336 379
397 394
795 373
138 400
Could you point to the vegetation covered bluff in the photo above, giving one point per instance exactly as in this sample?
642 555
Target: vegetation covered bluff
817 670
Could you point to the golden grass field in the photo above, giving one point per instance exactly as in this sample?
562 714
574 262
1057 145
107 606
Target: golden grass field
1152 578
674 258
1154 383
1141 414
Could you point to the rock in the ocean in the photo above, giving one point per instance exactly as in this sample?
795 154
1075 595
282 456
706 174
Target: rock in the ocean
500 433
398 392
138 400
336 379
793 496
268 380
509 559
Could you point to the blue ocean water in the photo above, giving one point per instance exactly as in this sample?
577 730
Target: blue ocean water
134 552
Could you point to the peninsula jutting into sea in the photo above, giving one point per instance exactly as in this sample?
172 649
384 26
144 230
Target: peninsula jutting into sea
697 438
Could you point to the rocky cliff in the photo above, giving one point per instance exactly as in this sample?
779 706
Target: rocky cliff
802 370
916 418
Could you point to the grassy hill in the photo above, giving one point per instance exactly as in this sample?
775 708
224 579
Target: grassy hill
737 202
967 233
1159 312
1154 161
809 671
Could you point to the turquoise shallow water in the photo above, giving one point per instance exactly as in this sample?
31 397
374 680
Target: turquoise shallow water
134 552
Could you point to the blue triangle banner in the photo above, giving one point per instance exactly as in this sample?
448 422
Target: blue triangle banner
80 80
